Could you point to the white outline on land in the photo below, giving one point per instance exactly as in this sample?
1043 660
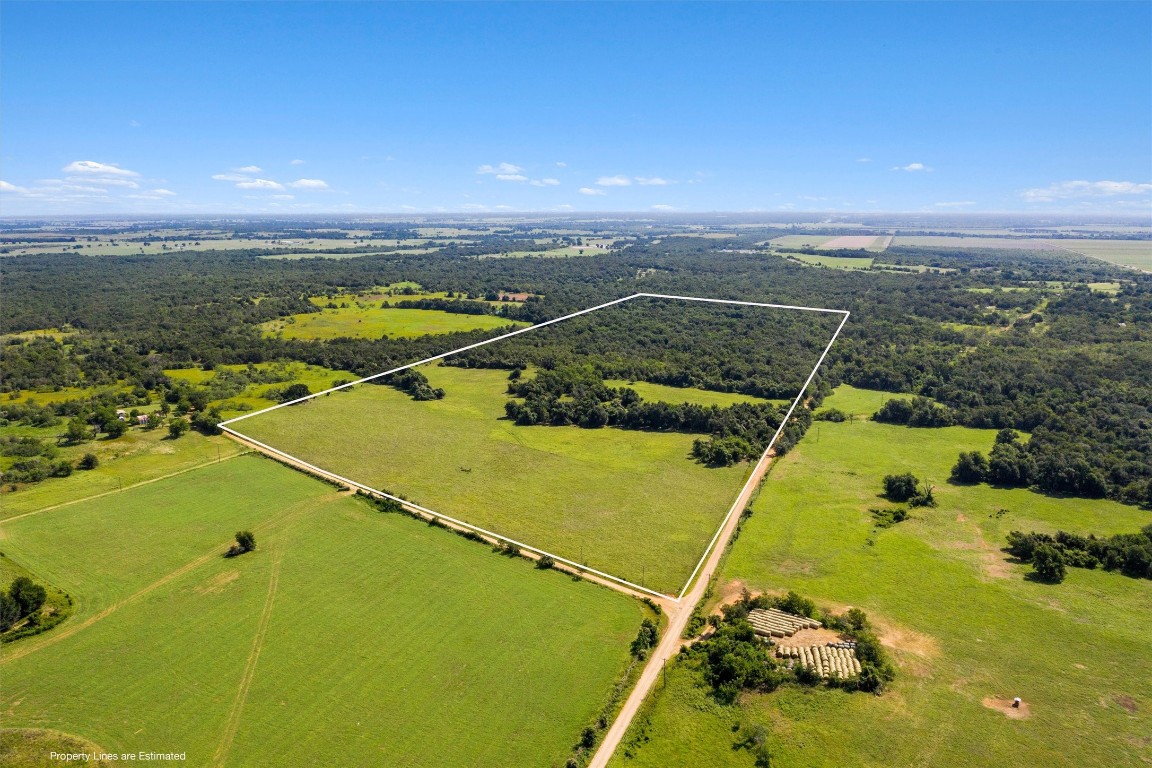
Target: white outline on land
496 536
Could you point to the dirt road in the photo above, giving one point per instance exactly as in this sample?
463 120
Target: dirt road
671 641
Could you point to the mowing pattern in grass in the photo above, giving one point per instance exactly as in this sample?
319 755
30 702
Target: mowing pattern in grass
363 637
965 623
374 322
631 503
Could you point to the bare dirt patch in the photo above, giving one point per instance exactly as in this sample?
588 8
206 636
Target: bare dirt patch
1127 702
1004 706
961 518
810 637
908 641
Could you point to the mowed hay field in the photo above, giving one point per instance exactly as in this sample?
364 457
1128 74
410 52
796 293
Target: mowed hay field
349 636
632 503
962 621
374 322
1126 253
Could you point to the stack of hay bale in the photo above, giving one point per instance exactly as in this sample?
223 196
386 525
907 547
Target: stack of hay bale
770 622
828 660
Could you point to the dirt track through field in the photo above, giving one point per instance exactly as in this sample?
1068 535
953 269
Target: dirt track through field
44 641
671 642
233 722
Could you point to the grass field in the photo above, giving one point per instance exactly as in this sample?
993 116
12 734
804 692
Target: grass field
963 622
374 322
348 635
800 241
138 456
256 396
628 502
1126 253
677 395
943 241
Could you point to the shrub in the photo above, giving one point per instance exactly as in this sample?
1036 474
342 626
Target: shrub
28 596
971 467
900 487
89 461
1048 563
545 562
177 428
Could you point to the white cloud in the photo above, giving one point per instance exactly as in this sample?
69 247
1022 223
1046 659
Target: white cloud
591 191
296 162
134 123
652 181
229 177
281 197
863 159
106 181
93 168
12 188
545 182
259 184
952 204
560 164
511 177
309 184
162 192
249 169
663 208
912 167
1065 190
504 168
614 181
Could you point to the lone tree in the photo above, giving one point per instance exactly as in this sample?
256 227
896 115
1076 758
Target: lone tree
177 428
294 392
245 542
1048 563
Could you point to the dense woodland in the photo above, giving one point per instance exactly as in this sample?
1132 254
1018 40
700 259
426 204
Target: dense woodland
1004 339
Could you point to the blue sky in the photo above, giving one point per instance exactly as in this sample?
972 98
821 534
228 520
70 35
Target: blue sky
420 107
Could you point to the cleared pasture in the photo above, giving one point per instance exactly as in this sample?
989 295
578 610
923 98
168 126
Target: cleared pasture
628 502
964 623
676 395
832 262
374 322
430 650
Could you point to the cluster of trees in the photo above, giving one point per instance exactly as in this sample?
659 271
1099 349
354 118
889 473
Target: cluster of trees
414 383
23 600
646 639
576 395
740 660
917 412
1129 553
1013 464
906 487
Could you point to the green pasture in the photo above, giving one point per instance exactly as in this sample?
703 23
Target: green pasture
138 456
373 322
627 502
348 634
963 621
676 395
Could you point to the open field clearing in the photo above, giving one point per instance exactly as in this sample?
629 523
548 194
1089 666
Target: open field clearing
629 502
1126 253
120 247
139 456
966 627
676 395
800 241
374 322
833 262
430 650
857 242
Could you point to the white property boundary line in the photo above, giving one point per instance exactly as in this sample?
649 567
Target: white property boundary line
424 510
